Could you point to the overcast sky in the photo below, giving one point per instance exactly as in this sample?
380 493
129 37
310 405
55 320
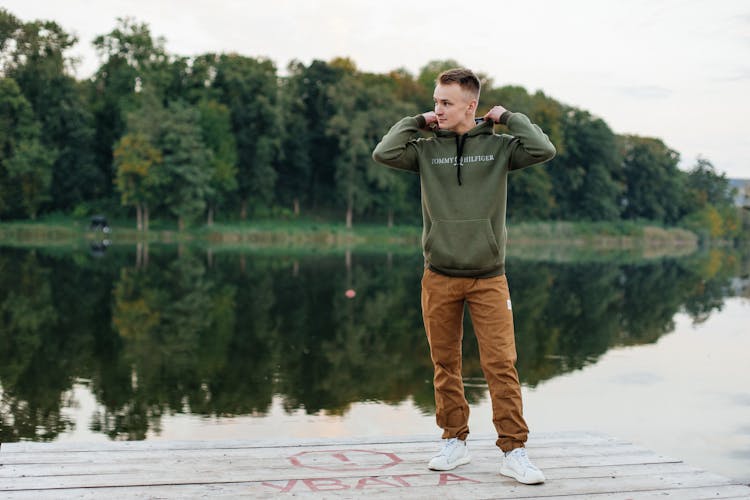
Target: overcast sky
674 69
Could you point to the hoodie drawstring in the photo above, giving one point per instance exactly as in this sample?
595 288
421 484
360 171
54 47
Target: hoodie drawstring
459 156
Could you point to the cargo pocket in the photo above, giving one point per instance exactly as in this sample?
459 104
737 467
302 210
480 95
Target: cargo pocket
462 244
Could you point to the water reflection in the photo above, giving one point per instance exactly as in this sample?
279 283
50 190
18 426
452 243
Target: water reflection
165 330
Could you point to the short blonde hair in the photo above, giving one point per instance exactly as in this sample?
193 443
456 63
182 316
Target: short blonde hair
465 78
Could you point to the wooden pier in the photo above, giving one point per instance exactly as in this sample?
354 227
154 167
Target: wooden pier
577 466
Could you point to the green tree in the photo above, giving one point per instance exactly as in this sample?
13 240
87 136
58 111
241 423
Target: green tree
37 60
187 163
707 186
16 124
294 163
363 104
407 89
135 160
30 167
318 149
586 175
216 129
132 61
25 164
197 77
653 184
249 88
9 24
140 175
530 194
349 125
709 210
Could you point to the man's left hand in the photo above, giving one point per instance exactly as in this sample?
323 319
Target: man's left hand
495 113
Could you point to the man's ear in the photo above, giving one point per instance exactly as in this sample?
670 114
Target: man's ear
472 106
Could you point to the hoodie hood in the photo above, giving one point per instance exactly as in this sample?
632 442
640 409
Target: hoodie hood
483 127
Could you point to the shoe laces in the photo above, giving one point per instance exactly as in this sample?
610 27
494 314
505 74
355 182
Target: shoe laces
448 447
522 457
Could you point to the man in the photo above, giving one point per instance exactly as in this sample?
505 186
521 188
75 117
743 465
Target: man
463 173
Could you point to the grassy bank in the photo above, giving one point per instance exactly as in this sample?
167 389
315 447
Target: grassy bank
551 239
538 237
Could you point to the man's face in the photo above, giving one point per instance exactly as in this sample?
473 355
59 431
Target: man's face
453 105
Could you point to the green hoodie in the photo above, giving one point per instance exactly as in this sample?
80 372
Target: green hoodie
464 201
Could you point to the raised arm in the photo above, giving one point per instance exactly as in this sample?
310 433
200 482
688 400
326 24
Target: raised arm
397 148
529 145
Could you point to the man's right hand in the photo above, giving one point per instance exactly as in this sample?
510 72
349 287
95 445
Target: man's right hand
430 117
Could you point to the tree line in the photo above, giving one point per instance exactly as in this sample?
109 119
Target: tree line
213 335
230 136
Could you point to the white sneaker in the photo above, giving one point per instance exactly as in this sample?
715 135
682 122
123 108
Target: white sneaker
453 454
516 464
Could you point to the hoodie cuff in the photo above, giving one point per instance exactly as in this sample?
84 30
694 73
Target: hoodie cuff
505 117
421 122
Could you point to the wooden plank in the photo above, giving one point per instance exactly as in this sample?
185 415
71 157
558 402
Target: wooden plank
444 485
698 493
416 450
219 473
536 440
582 465
258 464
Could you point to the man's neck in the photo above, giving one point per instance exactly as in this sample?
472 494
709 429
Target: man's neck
465 126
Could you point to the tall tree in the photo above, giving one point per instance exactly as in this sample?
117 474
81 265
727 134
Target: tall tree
164 147
349 127
407 89
140 175
709 200
586 175
654 186
707 186
37 60
294 163
135 160
30 167
9 25
363 104
132 60
187 163
249 87
25 164
216 130
314 113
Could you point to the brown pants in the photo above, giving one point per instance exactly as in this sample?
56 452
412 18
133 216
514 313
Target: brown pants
443 300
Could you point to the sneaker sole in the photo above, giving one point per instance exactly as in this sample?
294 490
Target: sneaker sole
460 461
512 473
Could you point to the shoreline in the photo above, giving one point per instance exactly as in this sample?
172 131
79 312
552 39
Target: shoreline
540 238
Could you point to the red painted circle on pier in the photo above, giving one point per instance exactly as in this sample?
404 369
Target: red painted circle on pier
340 460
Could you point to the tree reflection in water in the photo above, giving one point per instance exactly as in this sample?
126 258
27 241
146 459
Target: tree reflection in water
218 334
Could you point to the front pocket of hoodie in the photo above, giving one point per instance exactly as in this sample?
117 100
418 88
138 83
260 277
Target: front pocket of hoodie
462 244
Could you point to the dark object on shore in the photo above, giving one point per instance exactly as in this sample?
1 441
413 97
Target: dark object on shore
99 223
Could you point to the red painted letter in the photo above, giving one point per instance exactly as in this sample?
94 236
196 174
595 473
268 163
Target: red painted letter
445 478
328 484
400 479
362 483
289 485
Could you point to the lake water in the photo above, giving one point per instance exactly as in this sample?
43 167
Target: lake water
185 343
